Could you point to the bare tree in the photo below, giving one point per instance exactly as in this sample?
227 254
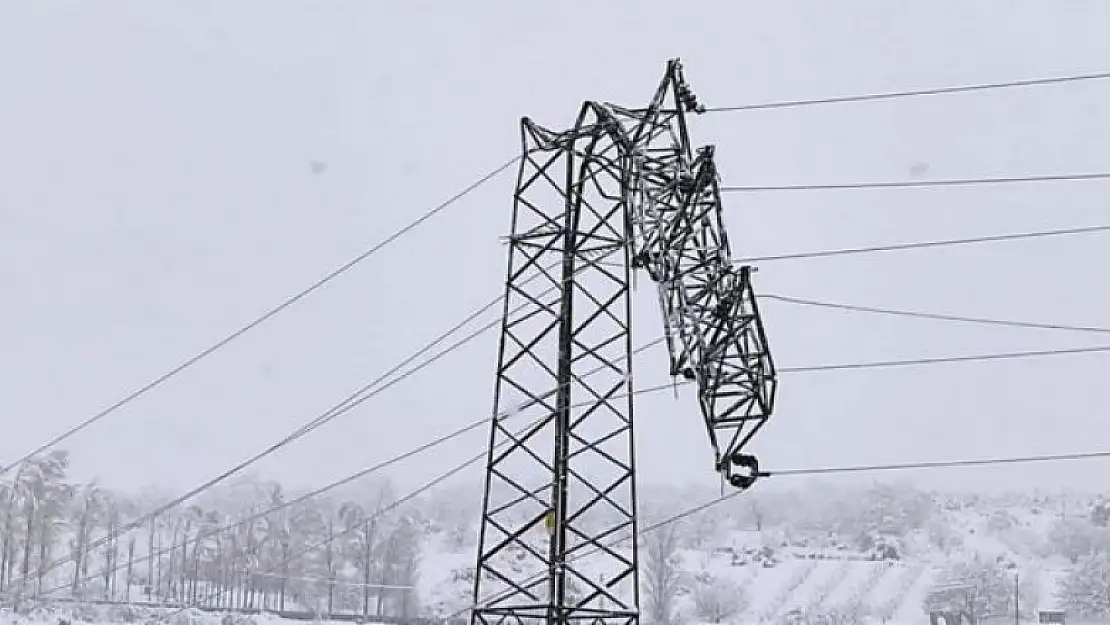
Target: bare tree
1075 538
184 555
7 494
661 574
719 600
993 585
1086 589
130 567
90 500
756 512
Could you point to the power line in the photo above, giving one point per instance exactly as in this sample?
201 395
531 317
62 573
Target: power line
342 408
378 514
933 316
321 282
348 405
663 387
786 370
939 464
355 399
941 360
889 95
257 321
310 495
890 364
902 184
914 245
397 503
360 474
852 366
855 366
894 247
429 214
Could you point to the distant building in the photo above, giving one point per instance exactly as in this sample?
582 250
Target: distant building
951 605
1051 608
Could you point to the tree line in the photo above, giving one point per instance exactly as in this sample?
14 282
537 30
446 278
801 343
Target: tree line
63 539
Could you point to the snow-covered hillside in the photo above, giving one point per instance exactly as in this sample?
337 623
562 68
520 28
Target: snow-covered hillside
845 559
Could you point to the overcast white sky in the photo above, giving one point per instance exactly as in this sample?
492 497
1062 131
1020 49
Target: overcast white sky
155 194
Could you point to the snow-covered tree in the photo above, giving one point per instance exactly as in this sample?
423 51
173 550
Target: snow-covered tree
1076 537
400 567
943 537
1100 514
660 574
1086 589
718 600
992 582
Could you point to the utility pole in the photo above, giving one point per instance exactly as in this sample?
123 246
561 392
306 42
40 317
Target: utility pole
1016 611
623 184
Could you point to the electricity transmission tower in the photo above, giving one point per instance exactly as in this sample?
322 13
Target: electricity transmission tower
619 191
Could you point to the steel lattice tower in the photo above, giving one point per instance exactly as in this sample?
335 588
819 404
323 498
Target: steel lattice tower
621 190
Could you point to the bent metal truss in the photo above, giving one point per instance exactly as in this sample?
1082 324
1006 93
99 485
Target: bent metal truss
620 191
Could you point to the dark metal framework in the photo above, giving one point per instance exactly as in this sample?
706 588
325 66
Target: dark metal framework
558 533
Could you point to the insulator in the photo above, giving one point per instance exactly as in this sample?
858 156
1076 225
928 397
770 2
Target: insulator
743 482
710 170
689 374
745 461
686 96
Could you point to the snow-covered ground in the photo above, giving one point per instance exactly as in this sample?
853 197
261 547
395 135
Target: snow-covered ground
786 569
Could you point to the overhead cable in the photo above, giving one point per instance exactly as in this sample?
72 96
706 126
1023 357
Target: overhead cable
941 464
895 247
891 364
905 184
269 314
942 360
436 481
793 370
880 364
933 316
747 107
890 95
346 480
